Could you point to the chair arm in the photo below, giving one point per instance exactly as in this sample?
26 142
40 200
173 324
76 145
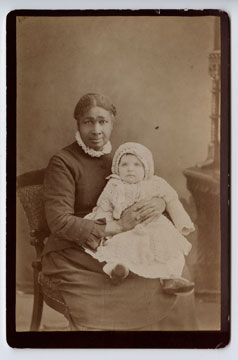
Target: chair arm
37 240
36 264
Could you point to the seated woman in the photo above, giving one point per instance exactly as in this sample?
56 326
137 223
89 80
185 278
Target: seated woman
74 179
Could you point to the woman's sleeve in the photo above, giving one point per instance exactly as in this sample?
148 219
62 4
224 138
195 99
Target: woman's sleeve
59 198
175 209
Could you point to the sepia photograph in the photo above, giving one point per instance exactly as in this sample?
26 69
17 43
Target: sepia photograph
119 156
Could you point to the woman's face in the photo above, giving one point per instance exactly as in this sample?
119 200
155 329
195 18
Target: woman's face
131 169
95 127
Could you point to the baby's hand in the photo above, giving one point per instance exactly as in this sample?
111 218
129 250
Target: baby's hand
187 230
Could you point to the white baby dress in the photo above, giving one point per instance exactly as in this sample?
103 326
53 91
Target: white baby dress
155 250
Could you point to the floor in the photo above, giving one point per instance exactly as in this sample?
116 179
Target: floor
208 312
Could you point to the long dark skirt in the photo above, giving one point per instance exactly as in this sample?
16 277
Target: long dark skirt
94 303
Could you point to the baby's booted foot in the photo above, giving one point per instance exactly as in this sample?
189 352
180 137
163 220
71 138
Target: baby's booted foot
118 274
176 286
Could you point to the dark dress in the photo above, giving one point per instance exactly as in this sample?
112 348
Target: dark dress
73 183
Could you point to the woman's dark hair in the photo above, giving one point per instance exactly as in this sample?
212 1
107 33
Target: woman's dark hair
90 100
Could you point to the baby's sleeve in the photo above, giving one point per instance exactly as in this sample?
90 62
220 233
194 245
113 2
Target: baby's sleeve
174 207
104 204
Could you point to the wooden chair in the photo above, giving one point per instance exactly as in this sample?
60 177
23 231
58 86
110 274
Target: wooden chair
30 192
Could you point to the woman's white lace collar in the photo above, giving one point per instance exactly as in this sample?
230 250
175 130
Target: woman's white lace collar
94 153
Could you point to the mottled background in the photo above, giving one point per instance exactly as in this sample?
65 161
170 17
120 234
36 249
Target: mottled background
155 69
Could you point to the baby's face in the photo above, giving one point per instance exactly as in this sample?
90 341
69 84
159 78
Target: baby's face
131 169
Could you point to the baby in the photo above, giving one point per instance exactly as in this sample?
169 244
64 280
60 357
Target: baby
154 250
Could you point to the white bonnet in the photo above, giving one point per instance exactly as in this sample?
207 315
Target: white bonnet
140 151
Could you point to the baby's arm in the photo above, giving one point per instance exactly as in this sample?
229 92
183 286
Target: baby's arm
174 207
180 217
106 209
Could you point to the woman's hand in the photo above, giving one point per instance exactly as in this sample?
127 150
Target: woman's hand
149 210
143 212
127 222
128 219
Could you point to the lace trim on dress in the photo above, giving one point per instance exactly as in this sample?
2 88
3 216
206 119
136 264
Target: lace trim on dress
93 153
